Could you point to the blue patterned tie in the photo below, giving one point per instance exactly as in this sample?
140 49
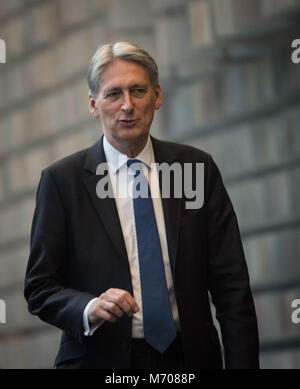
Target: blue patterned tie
159 327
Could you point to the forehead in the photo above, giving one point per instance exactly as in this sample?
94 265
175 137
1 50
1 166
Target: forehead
122 73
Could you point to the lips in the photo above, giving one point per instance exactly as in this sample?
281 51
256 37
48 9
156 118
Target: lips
128 123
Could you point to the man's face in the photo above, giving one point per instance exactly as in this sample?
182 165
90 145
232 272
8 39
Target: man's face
125 103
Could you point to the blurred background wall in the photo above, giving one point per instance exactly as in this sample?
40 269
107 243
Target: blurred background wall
230 88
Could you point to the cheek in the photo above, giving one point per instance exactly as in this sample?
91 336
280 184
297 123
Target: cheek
149 113
107 113
147 108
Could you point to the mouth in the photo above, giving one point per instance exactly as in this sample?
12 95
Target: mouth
127 123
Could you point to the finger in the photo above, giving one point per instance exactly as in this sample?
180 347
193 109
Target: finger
133 304
122 299
97 312
108 316
111 308
126 302
121 302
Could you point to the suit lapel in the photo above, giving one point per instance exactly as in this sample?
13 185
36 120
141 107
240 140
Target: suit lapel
171 206
105 208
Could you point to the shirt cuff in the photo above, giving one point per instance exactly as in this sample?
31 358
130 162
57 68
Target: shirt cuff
88 331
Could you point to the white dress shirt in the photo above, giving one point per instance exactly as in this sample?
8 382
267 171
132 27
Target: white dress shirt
122 180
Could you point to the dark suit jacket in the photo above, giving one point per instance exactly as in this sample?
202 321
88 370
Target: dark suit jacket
78 252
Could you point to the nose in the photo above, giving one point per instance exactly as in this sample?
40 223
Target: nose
127 105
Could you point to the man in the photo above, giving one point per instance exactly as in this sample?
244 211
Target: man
127 277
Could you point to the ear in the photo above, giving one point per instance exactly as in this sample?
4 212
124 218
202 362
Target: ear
92 106
158 97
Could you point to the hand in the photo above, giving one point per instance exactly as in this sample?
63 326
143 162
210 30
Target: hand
111 305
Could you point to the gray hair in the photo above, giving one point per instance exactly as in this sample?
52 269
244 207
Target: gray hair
126 51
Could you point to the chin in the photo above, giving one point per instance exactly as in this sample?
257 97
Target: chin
132 134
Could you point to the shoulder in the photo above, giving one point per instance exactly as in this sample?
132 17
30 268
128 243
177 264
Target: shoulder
182 152
66 169
68 162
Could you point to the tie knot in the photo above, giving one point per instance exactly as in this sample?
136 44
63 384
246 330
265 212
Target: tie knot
135 165
132 161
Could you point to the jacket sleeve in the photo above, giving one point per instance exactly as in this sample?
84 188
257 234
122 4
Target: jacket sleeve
45 289
228 277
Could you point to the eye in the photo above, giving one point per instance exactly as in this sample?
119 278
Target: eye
139 92
113 95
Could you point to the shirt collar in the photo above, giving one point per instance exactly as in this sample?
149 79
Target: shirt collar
116 159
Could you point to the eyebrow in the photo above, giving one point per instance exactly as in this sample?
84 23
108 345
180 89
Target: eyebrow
116 88
145 86
106 91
